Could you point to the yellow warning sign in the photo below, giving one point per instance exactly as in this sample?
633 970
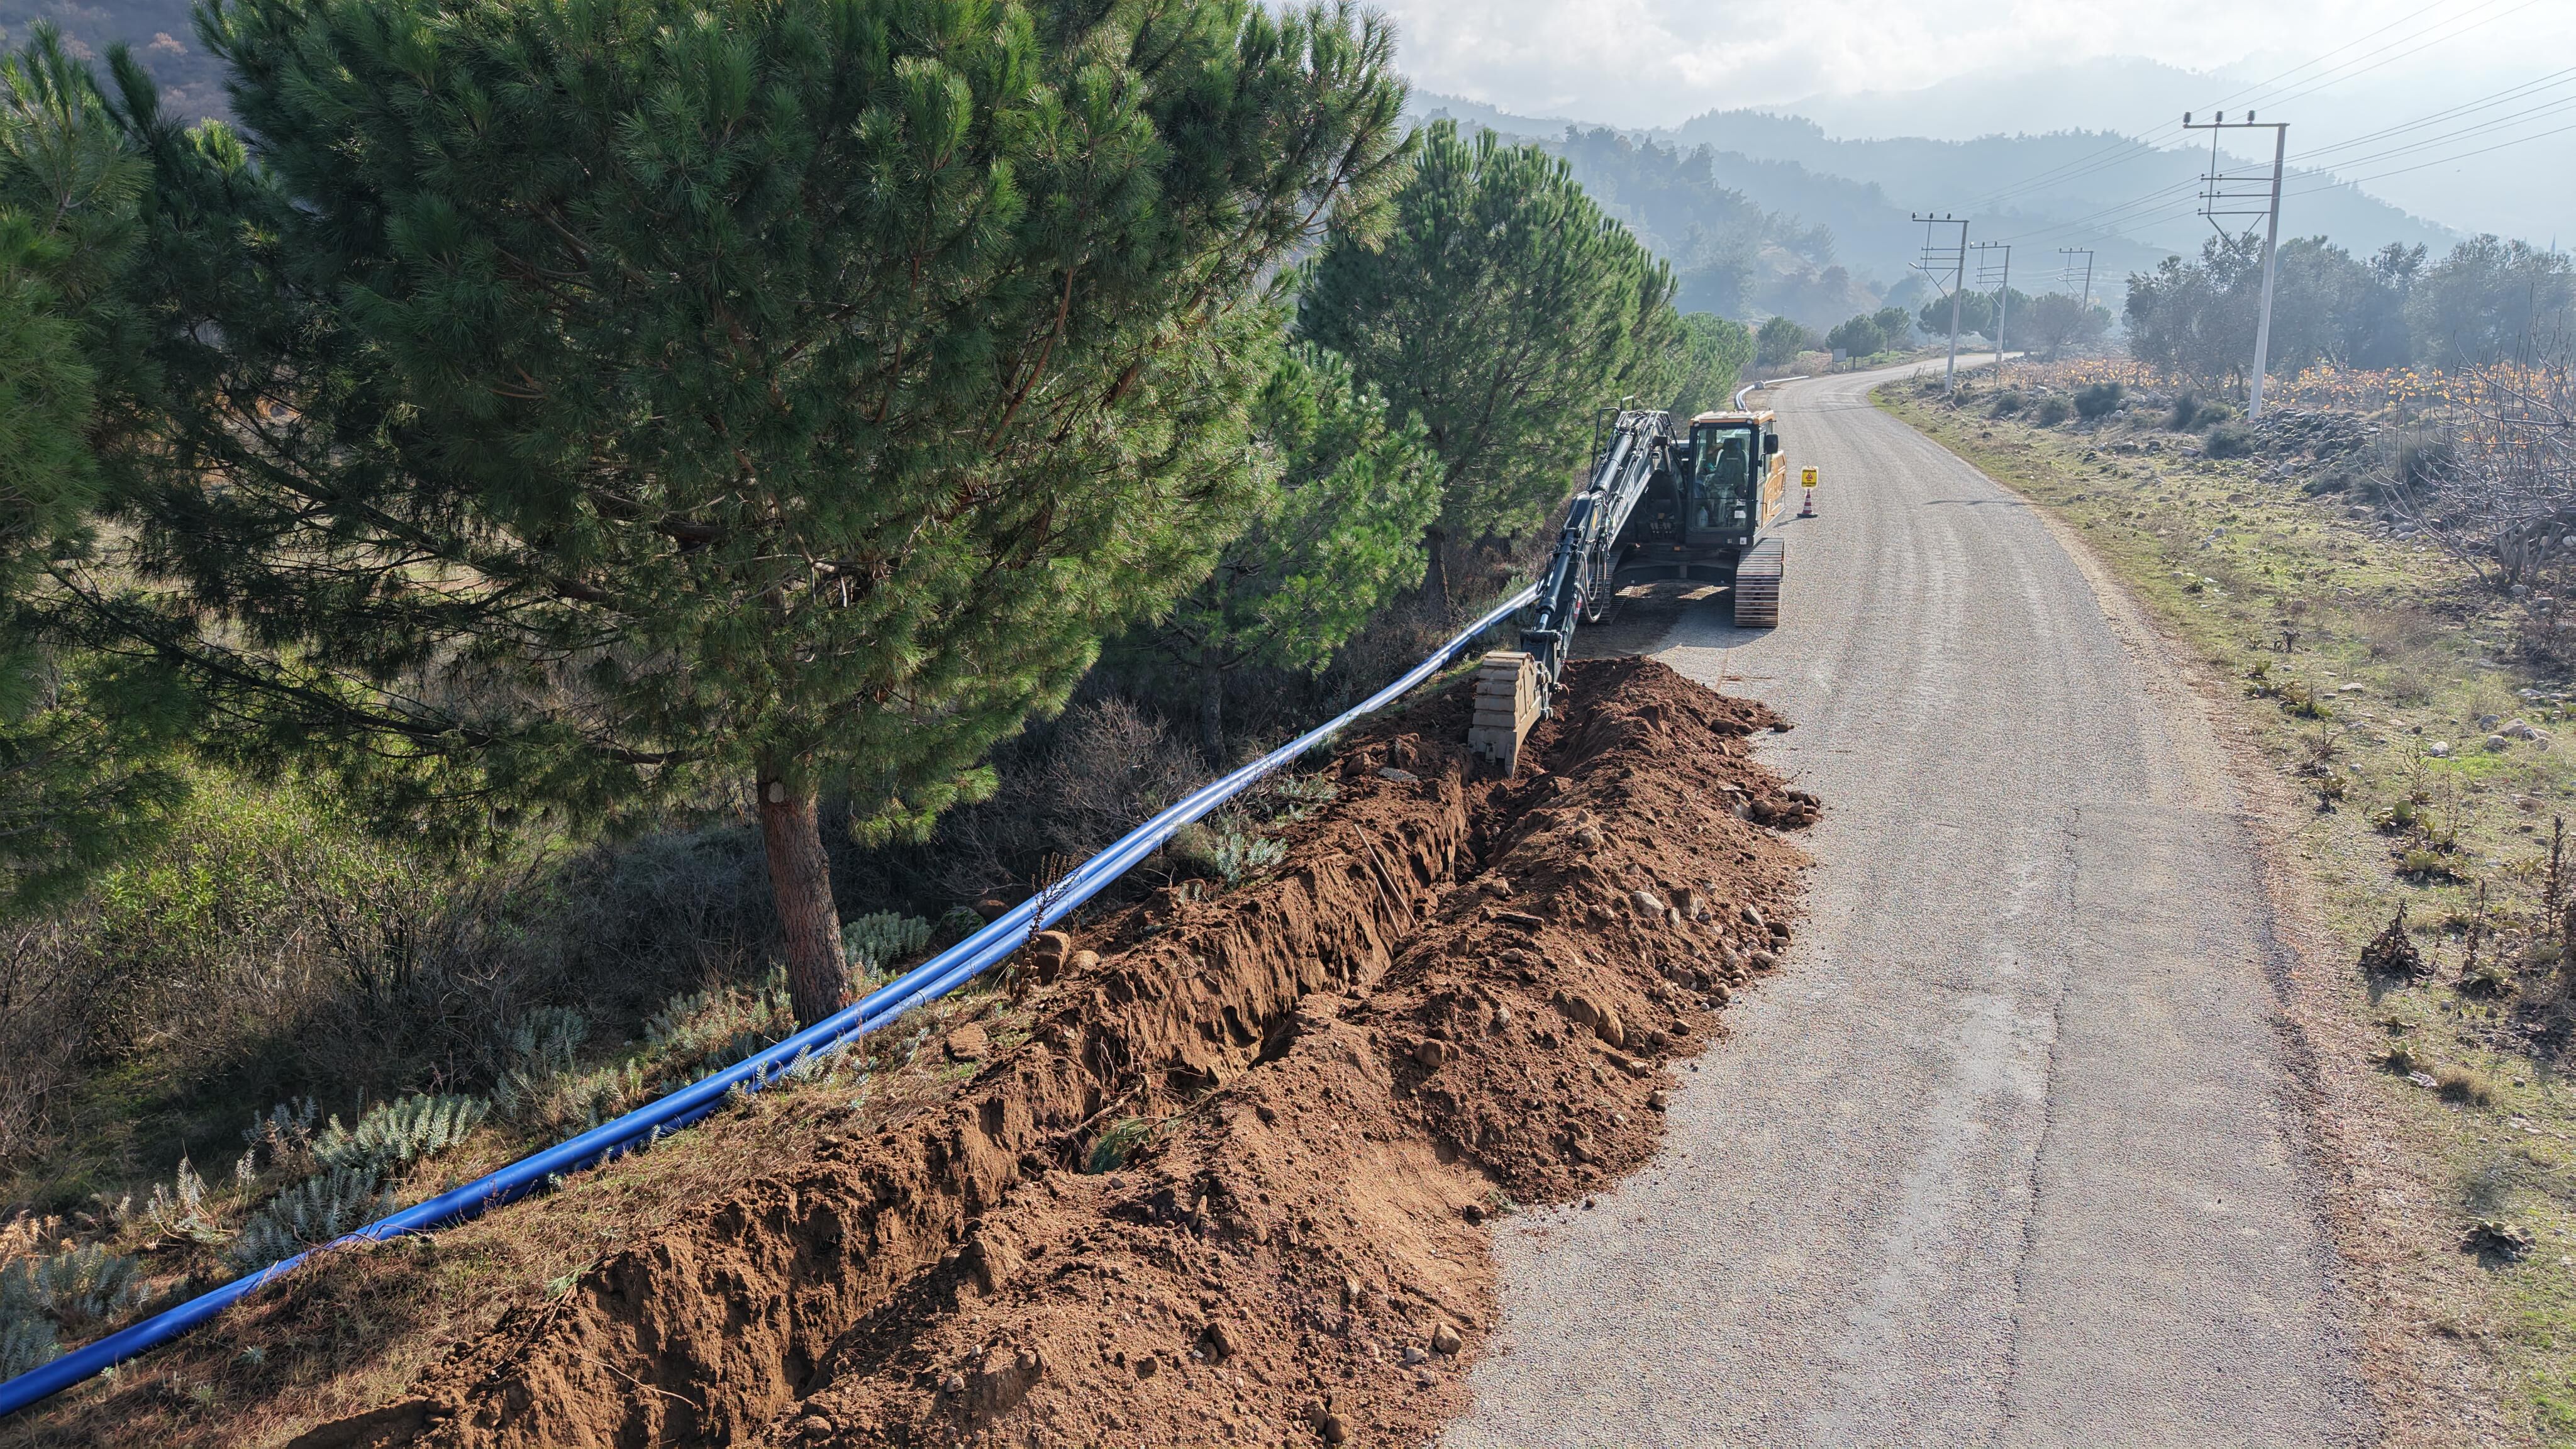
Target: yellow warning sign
1806 477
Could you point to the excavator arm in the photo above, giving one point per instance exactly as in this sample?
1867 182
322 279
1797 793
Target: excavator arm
1576 586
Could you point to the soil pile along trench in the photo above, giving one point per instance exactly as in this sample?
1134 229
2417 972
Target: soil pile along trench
1457 994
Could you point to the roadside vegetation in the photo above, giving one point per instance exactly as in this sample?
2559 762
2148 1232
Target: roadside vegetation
2367 574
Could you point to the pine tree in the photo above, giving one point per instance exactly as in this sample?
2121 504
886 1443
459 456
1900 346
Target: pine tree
82 776
1505 309
1714 351
586 406
1333 537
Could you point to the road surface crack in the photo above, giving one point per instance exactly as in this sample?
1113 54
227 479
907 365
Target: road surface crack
2073 837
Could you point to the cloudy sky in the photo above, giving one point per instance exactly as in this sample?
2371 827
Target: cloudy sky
2354 67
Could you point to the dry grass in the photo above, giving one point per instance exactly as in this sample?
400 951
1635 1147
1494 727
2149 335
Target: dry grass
2460 1084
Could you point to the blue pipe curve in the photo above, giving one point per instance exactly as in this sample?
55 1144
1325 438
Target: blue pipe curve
929 981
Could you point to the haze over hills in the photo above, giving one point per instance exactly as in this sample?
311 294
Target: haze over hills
1862 192
2441 171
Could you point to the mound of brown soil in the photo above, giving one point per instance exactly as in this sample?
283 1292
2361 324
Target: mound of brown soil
1456 994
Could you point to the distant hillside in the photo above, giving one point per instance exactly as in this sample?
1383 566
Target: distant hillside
1750 238
163 37
2097 170
2465 184
1861 192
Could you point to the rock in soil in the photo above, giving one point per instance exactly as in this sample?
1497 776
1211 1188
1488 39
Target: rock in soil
1344 1062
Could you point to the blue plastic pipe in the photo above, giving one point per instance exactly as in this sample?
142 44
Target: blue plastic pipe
929 981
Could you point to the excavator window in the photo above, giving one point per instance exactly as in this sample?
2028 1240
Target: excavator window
1722 480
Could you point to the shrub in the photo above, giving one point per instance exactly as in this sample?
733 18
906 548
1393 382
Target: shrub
2095 401
286 1130
2186 411
1193 850
73 1285
179 1210
1241 855
2422 460
1067 790
2054 409
2425 864
1293 797
543 1093
2397 817
545 1039
721 1025
1118 1144
26 1343
2489 980
2007 403
571 1101
2230 440
394 1135
322 1207
875 942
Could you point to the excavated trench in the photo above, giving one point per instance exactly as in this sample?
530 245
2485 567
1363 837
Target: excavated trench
1458 994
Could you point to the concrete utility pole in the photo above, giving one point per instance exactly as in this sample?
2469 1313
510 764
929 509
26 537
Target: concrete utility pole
2067 270
1998 273
2224 193
1952 260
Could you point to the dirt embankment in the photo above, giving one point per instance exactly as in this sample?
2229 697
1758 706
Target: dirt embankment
1458 994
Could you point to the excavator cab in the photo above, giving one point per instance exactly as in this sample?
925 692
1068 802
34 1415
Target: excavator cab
1731 484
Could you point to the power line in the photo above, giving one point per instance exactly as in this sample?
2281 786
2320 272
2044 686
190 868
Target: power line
2261 93
2436 161
2264 92
2553 79
2338 50
2482 128
2157 206
2406 46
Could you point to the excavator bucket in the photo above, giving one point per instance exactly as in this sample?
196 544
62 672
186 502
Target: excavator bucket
1507 704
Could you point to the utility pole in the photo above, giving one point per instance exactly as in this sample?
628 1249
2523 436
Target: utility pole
2067 271
1952 261
2226 193
1999 273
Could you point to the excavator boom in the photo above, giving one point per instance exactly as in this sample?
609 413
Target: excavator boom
1577 585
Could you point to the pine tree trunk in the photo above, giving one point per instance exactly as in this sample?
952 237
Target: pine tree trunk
1211 706
800 879
1435 571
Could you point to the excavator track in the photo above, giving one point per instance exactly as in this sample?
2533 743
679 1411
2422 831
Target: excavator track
1757 585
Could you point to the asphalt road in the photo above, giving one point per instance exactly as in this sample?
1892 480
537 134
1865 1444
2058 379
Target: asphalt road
2008 1152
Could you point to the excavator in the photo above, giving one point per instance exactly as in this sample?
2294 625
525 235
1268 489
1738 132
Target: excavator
1656 505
